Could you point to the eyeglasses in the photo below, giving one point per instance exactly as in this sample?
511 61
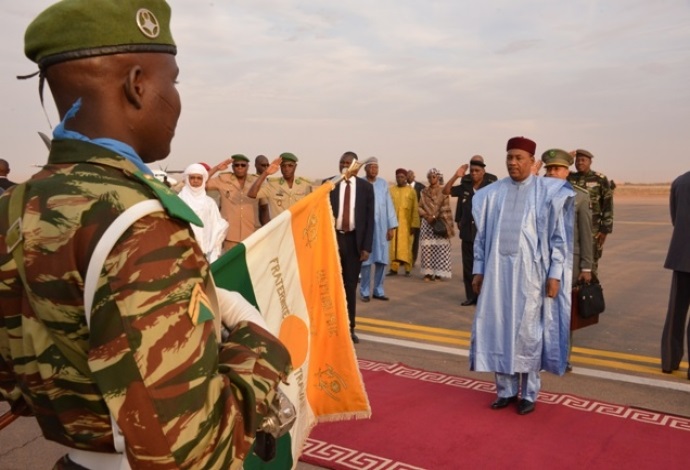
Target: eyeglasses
264 164
241 165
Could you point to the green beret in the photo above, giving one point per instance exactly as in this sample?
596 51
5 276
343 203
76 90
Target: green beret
583 153
557 157
289 157
238 157
77 29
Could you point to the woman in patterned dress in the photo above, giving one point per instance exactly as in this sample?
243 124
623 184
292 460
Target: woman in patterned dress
435 249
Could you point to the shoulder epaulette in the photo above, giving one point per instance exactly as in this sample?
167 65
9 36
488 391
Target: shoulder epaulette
172 203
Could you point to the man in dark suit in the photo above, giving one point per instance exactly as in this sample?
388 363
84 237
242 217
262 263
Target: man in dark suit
678 260
352 201
417 186
469 184
4 171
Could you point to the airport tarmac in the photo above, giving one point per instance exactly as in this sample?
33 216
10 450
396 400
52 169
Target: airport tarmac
424 326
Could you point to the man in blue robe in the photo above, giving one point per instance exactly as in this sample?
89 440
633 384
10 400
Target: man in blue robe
385 223
522 274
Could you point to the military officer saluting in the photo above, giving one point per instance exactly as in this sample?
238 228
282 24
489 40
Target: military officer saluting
150 357
601 195
283 192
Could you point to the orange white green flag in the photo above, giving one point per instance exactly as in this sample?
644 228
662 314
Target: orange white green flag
290 270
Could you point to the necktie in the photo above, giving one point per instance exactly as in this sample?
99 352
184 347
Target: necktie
346 208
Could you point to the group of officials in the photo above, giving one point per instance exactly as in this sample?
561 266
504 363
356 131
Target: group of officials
140 378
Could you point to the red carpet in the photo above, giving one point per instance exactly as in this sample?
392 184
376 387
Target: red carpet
436 421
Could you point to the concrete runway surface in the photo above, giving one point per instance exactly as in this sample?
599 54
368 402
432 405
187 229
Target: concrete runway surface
424 326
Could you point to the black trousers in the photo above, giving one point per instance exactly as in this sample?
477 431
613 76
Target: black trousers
467 264
351 266
675 330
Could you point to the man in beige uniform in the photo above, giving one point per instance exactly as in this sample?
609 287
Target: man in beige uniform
241 211
281 193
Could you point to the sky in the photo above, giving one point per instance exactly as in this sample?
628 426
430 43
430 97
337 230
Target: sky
416 83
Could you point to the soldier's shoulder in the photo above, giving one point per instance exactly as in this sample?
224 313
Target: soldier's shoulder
580 190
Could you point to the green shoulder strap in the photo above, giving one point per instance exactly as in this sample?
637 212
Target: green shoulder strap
172 203
16 246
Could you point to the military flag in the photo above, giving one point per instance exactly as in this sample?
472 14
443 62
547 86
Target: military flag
290 270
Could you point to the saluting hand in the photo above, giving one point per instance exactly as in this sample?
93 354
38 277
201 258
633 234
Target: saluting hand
274 166
460 172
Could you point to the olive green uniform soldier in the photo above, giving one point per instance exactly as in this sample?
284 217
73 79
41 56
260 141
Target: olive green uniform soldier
601 195
151 357
284 191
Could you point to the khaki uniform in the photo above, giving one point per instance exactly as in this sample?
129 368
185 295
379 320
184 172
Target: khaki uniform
151 357
280 196
241 211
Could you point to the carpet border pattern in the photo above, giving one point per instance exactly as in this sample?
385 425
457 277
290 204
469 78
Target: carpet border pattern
322 453
548 398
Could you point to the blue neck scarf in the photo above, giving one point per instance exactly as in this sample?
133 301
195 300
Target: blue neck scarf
113 145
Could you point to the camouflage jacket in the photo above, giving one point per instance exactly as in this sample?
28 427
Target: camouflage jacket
601 194
154 362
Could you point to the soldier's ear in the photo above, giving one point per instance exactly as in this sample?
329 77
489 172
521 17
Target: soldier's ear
134 87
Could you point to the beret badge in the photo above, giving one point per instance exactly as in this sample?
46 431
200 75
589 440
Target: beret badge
148 23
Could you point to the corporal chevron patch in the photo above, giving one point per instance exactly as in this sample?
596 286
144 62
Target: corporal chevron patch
199 306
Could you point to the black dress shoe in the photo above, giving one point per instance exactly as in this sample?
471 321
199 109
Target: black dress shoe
354 337
392 273
502 402
469 302
525 407
381 297
364 299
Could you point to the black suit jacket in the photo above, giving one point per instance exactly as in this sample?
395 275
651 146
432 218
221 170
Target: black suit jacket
5 183
364 212
418 189
463 210
678 257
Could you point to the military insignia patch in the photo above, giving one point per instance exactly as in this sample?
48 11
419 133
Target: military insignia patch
199 309
148 23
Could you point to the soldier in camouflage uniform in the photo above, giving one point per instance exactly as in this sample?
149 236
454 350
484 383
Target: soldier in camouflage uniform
151 357
601 195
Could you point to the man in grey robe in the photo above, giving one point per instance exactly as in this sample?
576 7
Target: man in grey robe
522 274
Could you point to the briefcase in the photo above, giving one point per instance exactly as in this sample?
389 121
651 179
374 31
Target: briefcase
576 321
590 299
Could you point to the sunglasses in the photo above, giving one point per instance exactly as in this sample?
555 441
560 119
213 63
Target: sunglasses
241 165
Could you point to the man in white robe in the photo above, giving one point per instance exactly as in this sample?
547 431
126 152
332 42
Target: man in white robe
522 273
209 237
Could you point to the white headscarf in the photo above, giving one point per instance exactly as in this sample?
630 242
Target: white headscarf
195 197
211 236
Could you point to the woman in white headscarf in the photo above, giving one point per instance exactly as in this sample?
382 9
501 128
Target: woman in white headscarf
210 237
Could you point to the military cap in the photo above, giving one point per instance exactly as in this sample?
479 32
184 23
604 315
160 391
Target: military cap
521 143
289 157
477 160
77 29
583 153
238 157
556 157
